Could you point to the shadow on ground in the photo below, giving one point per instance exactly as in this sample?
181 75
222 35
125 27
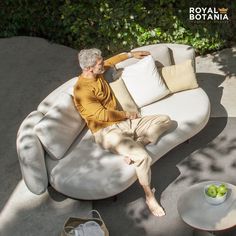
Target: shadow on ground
210 83
226 60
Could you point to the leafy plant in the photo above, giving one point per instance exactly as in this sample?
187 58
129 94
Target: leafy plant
115 26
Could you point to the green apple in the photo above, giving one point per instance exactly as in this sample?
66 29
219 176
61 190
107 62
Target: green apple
222 189
212 190
220 194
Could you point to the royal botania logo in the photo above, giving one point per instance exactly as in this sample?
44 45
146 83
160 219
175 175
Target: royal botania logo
208 14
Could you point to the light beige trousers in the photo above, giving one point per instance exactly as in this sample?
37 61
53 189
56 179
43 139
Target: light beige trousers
129 137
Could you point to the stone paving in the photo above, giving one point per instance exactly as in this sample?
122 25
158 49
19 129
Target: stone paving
30 68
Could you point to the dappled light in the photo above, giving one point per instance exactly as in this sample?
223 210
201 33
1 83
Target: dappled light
213 161
185 165
24 213
33 67
226 60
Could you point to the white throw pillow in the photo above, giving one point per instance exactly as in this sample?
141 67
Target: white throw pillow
144 82
60 126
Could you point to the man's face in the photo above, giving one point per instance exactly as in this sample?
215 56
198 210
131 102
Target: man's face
99 67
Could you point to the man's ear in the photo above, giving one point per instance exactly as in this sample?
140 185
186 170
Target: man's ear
88 69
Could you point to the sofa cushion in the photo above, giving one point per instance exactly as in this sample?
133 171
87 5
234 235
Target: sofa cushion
88 171
123 97
190 109
53 97
160 54
60 126
180 53
144 82
31 154
180 77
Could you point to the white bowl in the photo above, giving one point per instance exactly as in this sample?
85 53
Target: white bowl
214 200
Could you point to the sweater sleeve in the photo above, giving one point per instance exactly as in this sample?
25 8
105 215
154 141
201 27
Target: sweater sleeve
92 109
115 59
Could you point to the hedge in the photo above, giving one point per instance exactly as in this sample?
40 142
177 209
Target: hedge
115 26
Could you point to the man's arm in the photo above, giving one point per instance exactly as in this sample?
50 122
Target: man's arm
94 110
123 56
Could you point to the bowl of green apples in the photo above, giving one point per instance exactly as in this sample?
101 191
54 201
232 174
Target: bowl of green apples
215 193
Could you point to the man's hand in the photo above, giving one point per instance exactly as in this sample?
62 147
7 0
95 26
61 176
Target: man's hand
140 54
132 115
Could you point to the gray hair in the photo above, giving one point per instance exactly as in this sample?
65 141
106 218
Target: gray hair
88 57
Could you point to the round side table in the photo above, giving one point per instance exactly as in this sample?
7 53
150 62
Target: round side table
202 216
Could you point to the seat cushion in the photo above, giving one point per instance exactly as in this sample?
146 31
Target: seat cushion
31 154
190 110
144 82
60 126
89 172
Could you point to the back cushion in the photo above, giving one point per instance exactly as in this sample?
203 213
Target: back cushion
160 54
31 154
60 126
53 97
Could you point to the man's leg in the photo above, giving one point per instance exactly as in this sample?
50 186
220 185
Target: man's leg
118 142
147 130
150 128
151 201
142 162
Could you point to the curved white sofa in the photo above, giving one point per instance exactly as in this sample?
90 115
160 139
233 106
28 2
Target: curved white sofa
88 172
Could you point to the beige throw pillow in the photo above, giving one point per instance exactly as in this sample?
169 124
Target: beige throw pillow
122 95
180 77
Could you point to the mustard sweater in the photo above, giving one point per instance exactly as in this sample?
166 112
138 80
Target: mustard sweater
95 100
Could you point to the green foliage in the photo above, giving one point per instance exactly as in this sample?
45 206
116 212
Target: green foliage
114 26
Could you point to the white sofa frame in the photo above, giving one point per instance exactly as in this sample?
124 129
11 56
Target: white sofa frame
88 172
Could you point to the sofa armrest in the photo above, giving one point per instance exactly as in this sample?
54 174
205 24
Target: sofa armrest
31 155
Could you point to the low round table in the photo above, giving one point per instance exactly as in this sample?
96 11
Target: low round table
199 214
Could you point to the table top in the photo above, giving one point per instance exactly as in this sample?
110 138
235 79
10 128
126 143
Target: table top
198 213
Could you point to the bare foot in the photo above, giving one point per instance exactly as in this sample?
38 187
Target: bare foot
154 207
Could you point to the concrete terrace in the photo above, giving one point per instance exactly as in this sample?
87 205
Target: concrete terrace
30 68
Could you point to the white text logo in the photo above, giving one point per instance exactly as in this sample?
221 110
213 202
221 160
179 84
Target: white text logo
208 13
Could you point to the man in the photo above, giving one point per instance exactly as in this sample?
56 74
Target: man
119 131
